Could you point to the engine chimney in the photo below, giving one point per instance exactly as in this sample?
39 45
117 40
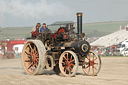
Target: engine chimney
79 23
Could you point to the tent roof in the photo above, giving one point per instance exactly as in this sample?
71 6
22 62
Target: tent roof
111 39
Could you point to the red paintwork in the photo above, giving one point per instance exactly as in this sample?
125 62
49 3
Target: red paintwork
35 33
59 32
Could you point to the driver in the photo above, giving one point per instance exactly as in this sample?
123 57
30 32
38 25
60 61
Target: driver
44 28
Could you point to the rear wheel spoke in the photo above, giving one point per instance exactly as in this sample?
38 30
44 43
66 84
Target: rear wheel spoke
27 60
28 53
30 65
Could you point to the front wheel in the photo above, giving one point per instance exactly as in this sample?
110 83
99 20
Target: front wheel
68 63
92 64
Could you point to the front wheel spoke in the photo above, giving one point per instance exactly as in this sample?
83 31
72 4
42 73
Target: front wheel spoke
94 67
87 67
65 68
65 58
70 68
72 60
96 63
64 62
88 58
69 71
72 64
89 70
95 58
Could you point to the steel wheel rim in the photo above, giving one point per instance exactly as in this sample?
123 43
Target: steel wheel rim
93 64
68 63
30 58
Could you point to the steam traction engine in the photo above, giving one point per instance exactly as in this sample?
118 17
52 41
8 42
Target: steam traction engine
63 52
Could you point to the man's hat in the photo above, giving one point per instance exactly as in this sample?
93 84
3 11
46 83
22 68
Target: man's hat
38 24
44 24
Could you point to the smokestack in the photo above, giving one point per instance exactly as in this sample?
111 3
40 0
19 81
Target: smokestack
79 23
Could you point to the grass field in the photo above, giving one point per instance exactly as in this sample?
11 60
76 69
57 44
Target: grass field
103 28
91 30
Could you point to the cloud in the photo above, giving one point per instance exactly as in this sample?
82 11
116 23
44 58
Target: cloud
26 10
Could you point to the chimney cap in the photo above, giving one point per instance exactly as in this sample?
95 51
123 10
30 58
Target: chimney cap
79 14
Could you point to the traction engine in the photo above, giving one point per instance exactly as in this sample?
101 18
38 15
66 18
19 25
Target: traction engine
63 52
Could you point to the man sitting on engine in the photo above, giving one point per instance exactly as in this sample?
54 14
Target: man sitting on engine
44 28
35 30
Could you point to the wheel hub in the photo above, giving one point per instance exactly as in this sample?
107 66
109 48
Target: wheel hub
32 57
68 63
91 63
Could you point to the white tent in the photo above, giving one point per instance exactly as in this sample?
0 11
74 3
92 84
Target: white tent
111 39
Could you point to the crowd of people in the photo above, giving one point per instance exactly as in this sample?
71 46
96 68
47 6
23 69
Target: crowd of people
106 51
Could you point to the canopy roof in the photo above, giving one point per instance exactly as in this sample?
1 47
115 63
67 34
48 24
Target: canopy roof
111 39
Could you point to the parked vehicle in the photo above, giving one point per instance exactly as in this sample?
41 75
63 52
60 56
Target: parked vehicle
121 46
124 52
6 47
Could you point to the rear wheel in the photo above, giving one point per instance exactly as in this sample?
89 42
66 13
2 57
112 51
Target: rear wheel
33 57
68 63
92 64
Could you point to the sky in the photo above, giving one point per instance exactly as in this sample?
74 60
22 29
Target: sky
15 13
